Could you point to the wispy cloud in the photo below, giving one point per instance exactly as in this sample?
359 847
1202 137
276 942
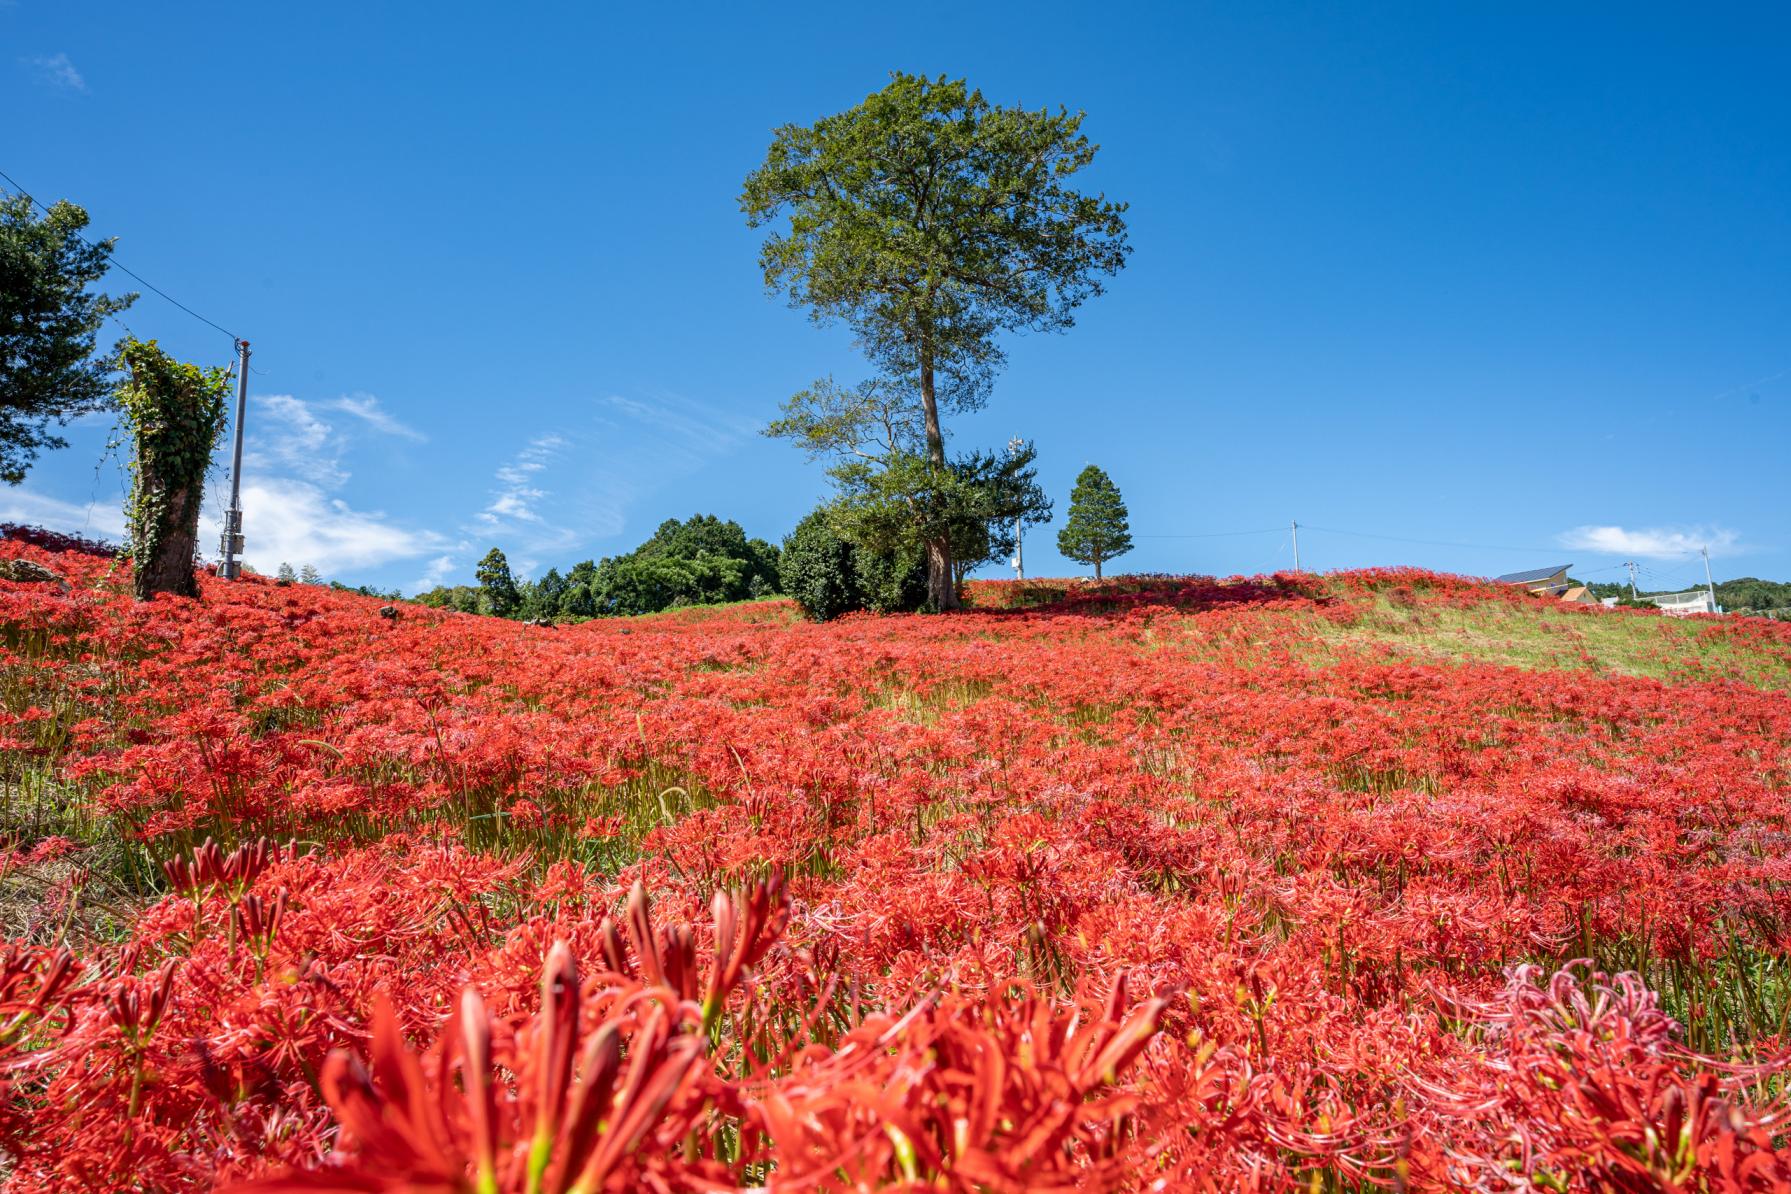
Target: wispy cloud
519 494
286 435
630 448
1653 543
289 434
57 71
366 408
100 519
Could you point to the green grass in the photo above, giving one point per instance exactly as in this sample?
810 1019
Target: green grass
1544 637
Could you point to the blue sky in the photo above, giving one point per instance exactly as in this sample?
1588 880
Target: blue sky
1515 277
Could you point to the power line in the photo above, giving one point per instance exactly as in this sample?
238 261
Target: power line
1430 542
122 268
1213 534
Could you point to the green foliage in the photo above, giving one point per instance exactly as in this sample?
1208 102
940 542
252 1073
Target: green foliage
894 501
367 591
701 561
894 509
818 569
579 600
497 587
930 221
1752 593
176 413
465 599
541 599
49 322
1097 530
828 575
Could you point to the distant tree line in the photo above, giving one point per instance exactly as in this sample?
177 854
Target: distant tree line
699 561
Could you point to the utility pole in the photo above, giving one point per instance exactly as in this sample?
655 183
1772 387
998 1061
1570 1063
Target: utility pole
232 544
1013 446
1709 585
1631 565
1295 526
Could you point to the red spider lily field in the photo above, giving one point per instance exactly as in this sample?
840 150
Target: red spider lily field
1369 880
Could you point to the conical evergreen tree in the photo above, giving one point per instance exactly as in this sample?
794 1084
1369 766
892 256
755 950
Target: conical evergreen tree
497 585
1097 530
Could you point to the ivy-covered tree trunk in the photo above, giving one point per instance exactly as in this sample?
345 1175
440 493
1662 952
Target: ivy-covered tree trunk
164 561
176 412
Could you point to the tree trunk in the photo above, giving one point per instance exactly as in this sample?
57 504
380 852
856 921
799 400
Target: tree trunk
164 555
942 588
1097 568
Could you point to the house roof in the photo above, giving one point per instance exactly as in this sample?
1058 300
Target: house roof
1531 576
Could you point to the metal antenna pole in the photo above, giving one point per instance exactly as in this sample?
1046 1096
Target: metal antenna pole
232 544
1013 446
1296 541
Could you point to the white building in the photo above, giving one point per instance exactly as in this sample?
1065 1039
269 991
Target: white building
1697 601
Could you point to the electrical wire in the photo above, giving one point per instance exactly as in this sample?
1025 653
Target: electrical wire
122 268
1213 534
1428 542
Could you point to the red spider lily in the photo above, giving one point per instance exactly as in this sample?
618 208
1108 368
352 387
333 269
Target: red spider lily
557 1129
1327 810
1012 1094
210 867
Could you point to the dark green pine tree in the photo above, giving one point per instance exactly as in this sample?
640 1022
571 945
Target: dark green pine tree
496 584
1097 530
50 318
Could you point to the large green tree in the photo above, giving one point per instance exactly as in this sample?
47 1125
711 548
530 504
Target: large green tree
1097 529
497 585
49 321
930 221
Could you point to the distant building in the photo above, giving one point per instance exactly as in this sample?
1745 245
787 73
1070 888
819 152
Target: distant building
1551 582
1697 601
1579 595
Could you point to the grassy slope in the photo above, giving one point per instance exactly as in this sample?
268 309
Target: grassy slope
1540 635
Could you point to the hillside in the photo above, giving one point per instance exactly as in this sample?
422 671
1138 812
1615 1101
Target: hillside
1409 880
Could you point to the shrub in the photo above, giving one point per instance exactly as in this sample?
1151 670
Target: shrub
817 569
829 576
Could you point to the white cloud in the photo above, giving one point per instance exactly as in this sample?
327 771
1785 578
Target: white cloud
518 495
1653 543
367 408
290 521
58 71
99 519
286 435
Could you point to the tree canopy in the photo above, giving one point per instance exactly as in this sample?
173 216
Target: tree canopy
49 323
497 585
699 561
930 221
1097 529
893 501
